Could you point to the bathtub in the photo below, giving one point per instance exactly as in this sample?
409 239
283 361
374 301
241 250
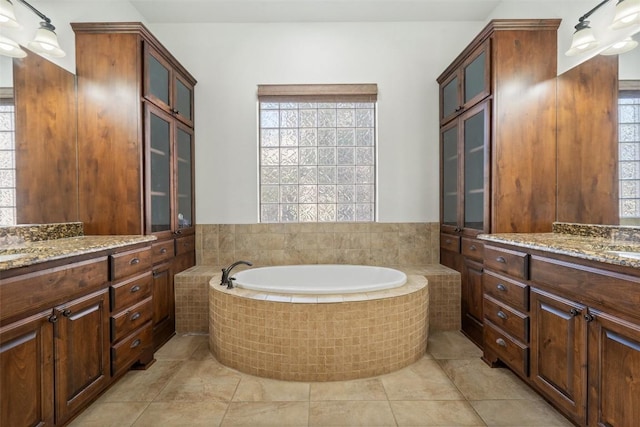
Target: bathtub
311 333
320 279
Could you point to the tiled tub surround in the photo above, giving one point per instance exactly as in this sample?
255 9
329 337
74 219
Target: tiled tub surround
319 243
192 296
319 338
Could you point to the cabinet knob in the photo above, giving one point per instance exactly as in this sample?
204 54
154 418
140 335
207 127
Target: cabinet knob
53 318
501 342
66 313
502 315
135 289
501 260
574 312
501 287
134 261
177 232
589 317
136 343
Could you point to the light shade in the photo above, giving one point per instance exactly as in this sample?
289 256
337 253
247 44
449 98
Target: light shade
10 48
583 39
7 16
620 47
627 14
46 42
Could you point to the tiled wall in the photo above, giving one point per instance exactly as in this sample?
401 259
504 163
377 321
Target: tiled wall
319 243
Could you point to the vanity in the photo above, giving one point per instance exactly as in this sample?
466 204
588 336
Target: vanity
561 311
75 314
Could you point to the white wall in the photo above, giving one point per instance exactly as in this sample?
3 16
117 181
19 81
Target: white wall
230 60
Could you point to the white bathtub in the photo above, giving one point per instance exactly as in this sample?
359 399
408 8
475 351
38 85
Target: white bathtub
320 279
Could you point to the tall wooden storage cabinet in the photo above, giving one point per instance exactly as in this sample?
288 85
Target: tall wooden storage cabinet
497 147
136 149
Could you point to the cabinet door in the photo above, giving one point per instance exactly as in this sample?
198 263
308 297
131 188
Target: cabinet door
164 323
26 364
449 184
81 346
614 371
559 352
475 139
184 177
450 97
157 78
475 76
183 100
472 301
159 136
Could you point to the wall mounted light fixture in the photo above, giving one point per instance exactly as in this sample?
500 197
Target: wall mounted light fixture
627 14
44 42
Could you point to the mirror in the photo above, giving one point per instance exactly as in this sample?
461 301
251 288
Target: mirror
43 157
589 189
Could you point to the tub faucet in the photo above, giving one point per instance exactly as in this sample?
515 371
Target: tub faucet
226 271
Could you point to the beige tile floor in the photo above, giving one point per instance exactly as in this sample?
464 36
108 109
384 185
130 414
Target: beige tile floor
450 386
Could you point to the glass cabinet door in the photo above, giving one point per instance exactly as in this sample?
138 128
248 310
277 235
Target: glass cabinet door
449 141
159 136
183 107
475 138
450 97
476 76
184 182
157 78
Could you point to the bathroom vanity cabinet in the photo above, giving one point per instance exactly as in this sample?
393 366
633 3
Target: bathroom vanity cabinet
569 327
60 333
136 147
497 147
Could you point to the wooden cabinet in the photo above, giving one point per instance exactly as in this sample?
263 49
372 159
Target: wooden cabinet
569 327
26 363
497 141
137 146
164 319
81 349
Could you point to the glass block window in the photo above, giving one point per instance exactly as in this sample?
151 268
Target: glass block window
7 163
317 159
629 156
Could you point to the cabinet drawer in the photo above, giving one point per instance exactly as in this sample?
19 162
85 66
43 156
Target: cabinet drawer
130 319
506 318
129 263
513 263
130 349
130 291
162 251
46 288
506 290
449 242
185 244
473 249
509 350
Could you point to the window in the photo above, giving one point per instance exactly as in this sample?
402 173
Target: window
317 153
7 158
629 157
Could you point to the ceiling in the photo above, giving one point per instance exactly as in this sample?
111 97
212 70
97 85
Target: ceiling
200 11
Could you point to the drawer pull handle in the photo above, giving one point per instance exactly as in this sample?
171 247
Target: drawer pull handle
447 241
135 289
501 260
501 342
136 343
473 248
501 287
134 261
502 315
163 251
135 316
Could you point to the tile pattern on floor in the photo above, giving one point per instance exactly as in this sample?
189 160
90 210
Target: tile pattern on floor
450 386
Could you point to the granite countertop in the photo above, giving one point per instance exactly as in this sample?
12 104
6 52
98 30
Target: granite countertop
595 248
26 253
